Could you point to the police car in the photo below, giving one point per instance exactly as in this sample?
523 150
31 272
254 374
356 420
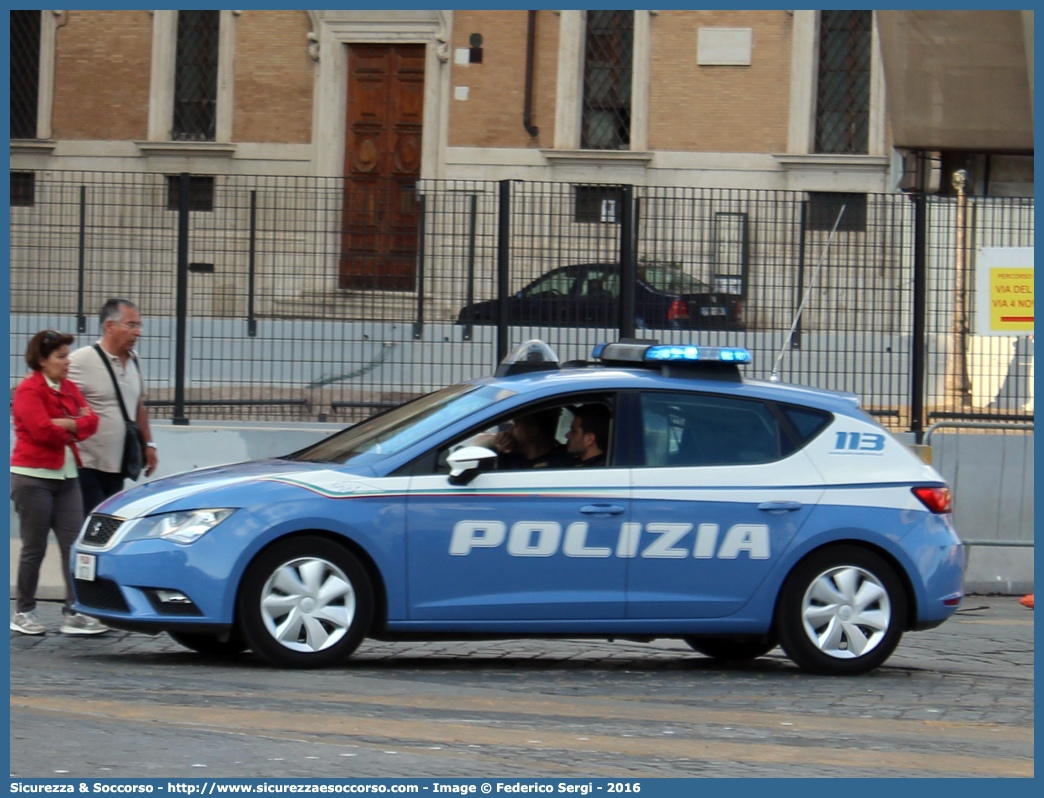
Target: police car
733 514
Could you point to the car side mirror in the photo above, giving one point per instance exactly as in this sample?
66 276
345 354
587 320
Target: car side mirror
465 464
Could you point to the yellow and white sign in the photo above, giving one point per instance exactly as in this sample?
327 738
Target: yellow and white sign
1004 291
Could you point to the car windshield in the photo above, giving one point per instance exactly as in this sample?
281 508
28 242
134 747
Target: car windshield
670 279
397 429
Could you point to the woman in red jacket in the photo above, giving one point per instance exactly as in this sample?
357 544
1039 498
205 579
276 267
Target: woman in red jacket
50 415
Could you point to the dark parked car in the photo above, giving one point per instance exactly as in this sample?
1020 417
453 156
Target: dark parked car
588 295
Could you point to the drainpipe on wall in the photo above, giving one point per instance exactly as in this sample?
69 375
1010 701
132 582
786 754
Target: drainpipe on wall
527 112
961 385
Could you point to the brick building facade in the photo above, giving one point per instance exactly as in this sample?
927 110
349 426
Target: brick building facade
714 98
705 98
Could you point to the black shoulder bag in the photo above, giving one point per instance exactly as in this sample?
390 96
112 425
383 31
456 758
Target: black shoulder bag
133 462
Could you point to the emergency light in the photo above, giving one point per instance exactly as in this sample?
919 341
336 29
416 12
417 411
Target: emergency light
655 353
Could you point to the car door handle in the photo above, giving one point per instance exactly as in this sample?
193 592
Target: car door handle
780 507
602 509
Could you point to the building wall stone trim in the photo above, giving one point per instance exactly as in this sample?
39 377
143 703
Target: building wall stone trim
45 86
569 88
226 76
32 146
597 157
805 41
193 148
161 82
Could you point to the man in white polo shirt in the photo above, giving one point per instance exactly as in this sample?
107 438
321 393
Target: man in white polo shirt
100 476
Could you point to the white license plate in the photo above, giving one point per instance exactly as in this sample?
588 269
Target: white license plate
86 565
712 311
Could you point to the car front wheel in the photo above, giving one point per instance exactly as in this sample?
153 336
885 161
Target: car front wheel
841 611
305 603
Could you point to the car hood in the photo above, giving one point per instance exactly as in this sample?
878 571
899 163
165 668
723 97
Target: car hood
169 492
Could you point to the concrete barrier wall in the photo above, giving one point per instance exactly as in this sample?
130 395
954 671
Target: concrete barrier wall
991 475
992 480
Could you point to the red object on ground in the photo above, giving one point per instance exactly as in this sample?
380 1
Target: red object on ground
1027 601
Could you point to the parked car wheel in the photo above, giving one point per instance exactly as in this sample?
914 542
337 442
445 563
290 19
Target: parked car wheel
731 649
305 603
210 645
841 611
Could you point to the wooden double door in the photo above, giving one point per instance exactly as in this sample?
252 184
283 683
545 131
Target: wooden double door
381 221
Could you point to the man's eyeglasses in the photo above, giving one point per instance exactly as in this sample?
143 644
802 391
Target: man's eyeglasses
130 325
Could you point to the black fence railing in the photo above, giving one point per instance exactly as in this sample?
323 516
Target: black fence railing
282 298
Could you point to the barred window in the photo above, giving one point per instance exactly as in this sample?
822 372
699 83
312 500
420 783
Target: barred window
23 189
597 203
608 64
201 192
25 72
195 76
843 96
824 206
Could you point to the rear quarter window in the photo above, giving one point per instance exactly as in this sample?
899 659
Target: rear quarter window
807 423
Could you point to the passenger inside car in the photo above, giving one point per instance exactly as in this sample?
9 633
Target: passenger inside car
588 436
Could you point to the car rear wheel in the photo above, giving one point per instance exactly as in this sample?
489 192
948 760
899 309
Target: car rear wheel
841 611
731 649
210 645
305 603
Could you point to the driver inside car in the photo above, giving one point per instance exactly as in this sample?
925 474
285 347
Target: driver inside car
530 443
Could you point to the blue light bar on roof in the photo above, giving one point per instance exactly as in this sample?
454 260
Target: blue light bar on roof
693 354
663 353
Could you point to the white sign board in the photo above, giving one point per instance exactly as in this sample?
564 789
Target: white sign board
724 46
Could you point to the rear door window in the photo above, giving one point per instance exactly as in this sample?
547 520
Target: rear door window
689 429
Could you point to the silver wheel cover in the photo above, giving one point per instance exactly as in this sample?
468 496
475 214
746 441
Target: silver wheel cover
308 604
846 612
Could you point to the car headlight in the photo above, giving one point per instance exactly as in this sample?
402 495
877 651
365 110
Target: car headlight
184 526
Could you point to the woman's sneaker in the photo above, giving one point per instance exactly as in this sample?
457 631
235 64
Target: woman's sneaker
78 624
26 623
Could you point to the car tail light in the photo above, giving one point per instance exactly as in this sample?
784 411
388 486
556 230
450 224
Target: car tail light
938 500
739 311
678 310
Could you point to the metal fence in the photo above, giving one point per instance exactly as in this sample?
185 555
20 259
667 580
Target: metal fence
285 298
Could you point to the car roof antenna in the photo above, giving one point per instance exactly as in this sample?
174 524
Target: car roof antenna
774 377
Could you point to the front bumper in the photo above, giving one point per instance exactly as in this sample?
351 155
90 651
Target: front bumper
135 580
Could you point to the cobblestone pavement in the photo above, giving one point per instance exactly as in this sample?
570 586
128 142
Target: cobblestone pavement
955 701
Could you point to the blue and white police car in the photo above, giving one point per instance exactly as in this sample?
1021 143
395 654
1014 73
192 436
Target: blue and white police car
733 514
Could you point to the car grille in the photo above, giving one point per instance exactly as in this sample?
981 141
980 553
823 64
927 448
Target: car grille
100 529
102 594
